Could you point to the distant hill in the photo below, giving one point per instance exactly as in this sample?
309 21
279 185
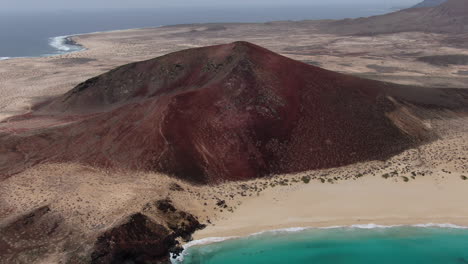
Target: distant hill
429 3
449 17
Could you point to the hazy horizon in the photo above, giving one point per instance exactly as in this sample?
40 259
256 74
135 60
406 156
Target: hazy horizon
56 5
33 33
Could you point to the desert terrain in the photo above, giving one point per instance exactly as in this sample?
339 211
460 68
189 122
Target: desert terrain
419 186
388 57
65 212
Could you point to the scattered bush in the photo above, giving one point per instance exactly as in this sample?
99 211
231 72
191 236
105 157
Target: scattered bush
386 175
406 179
463 177
306 179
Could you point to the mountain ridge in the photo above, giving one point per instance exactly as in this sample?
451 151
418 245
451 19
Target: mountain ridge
449 17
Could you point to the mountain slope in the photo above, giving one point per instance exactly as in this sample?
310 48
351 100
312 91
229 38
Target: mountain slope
226 112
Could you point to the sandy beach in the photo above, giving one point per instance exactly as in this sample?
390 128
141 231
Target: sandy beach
387 193
364 201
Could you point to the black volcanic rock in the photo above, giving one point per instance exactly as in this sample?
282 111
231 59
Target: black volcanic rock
142 240
139 240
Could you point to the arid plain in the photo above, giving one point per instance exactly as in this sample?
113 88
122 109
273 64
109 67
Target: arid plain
427 184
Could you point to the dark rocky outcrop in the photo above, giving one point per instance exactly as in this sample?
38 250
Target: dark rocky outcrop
32 236
140 239
145 237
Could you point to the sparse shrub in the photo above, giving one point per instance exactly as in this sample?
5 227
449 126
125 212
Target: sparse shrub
406 179
322 180
306 179
386 175
463 177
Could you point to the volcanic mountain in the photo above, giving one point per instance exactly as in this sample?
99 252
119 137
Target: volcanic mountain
448 17
226 112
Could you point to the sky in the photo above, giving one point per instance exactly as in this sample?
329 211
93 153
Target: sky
6 5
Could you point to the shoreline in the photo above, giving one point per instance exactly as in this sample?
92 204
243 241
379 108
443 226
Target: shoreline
67 44
283 231
437 198
210 240
446 223
60 43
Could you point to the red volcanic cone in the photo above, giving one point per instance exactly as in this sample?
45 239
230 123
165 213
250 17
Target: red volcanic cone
227 112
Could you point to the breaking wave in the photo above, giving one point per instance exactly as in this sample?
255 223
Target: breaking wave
64 44
211 240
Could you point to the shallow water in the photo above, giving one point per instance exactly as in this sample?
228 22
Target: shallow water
340 245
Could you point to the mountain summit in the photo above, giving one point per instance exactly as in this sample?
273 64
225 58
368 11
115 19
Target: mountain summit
225 112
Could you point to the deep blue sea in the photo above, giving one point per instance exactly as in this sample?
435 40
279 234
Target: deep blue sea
34 33
350 245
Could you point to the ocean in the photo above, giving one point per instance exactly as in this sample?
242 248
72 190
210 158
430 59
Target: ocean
43 33
368 244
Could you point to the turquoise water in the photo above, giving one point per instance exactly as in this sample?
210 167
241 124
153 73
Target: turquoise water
425 245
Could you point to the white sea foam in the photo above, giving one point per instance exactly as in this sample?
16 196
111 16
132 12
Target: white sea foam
283 230
204 241
447 225
4 58
372 226
208 240
60 43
